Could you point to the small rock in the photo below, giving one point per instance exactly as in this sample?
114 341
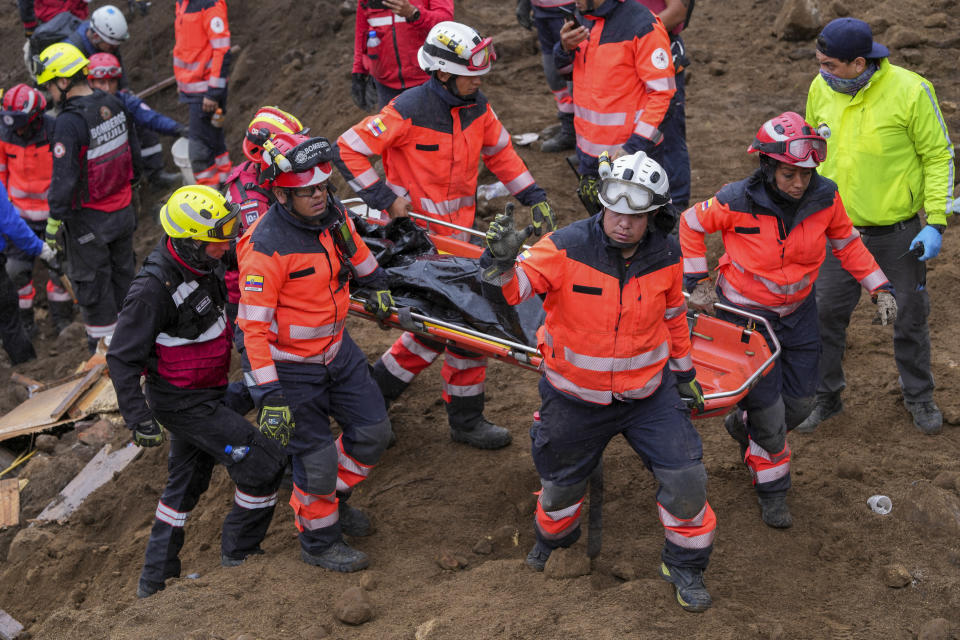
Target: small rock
716 69
935 21
21 393
567 563
936 629
483 547
797 20
104 548
506 536
368 581
97 434
949 480
348 7
624 571
896 576
426 629
28 542
850 469
450 561
840 10
46 443
901 37
353 607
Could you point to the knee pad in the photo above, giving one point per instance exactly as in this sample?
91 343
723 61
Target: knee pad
682 492
767 427
796 410
554 497
319 470
368 442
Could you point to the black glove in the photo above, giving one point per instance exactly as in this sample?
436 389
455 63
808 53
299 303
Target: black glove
587 192
504 242
358 90
666 218
692 394
379 303
148 433
523 14
544 218
275 419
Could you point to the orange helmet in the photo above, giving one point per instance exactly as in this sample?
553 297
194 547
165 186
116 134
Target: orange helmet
274 120
292 160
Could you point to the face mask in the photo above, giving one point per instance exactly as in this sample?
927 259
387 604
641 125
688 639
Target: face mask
849 86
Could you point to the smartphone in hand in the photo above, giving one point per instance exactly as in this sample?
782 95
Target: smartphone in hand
376 4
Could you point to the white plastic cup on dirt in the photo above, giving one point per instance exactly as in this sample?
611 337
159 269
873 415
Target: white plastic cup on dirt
880 504
181 157
491 191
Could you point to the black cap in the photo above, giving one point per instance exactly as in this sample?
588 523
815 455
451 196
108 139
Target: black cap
848 39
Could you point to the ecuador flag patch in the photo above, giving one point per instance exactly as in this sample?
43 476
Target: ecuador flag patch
376 127
253 283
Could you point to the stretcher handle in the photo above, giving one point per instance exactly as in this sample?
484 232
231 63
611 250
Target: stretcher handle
427 219
758 373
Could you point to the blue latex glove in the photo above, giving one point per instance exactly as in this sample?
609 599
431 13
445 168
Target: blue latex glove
931 240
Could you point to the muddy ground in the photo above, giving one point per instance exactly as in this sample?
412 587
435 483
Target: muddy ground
840 572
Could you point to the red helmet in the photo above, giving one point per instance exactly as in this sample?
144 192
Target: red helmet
274 120
788 138
22 105
282 155
104 65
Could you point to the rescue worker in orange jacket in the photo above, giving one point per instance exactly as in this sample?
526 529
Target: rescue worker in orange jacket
619 44
201 65
431 138
296 263
616 360
26 165
774 226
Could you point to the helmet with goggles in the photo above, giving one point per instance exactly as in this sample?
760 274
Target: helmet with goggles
633 184
198 212
22 105
457 49
291 160
789 139
60 60
273 120
105 66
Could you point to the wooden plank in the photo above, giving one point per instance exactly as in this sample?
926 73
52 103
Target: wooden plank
97 473
80 387
9 628
100 398
35 413
9 502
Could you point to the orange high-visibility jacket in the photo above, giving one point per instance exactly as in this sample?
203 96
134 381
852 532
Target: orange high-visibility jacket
430 143
201 60
26 167
612 325
623 79
766 264
294 294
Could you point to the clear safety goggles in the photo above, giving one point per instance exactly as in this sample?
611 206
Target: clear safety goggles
637 197
227 227
105 72
798 149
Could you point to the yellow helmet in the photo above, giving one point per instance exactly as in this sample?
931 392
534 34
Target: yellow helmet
60 60
200 213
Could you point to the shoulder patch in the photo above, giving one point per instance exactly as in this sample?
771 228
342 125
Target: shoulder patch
660 58
216 25
253 283
376 126
59 150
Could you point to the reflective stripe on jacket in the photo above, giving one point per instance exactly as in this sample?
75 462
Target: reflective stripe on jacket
770 264
201 61
394 62
612 325
430 143
25 170
889 150
294 294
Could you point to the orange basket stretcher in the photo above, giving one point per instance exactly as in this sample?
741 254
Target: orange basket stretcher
729 358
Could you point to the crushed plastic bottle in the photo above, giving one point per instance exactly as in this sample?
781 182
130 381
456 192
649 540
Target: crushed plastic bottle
880 504
491 191
237 453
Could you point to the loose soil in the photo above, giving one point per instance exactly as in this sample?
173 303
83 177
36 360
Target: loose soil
840 572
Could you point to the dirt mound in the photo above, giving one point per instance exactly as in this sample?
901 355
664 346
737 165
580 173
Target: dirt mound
840 572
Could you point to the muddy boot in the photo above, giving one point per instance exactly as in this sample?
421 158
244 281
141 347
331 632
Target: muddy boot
231 561
162 180
353 521
774 512
337 557
564 140
26 319
828 405
62 315
538 556
147 588
483 435
692 594
734 423
926 416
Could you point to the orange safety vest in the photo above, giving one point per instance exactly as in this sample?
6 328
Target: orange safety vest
766 265
26 167
609 332
202 44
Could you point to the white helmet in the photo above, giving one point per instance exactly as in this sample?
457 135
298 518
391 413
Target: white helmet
457 49
108 23
634 184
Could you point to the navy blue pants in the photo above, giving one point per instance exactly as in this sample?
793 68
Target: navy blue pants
385 94
208 147
672 153
548 33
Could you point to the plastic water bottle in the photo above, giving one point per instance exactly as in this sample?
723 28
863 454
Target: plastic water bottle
491 191
217 118
237 453
880 504
372 40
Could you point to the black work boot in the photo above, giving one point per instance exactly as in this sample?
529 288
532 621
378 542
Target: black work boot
233 561
483 435
147 588
774 512
353 521
926 416
563 140
26 319
828 405
337 557
61 312
691 593
161 180
737 430
538 556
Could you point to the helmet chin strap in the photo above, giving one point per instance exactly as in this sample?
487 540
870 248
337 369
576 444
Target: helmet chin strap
769 168
451 86
194 253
